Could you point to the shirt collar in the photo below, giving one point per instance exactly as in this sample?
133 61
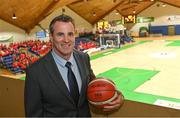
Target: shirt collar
62 61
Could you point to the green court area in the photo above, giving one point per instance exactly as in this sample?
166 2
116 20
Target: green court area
174 43
22 78
127 80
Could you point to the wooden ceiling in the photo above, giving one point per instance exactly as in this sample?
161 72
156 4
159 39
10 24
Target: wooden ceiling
31 12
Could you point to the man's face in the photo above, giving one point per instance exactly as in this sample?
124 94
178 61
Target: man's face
63 39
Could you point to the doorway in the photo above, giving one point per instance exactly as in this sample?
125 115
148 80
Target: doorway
171 30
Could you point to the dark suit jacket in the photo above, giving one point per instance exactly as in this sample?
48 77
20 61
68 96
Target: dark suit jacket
46 93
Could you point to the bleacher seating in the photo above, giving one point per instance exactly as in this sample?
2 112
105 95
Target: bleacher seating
84 43
17 56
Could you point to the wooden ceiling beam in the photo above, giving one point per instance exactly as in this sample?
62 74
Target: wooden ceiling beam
47 11
163 1
109 11
78 1
129 7
79 15
44 13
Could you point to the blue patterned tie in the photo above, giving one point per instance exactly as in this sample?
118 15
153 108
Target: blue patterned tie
73 86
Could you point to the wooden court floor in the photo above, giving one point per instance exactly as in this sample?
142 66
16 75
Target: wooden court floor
153 55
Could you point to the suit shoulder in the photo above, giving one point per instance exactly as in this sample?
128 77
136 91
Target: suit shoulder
38 63
81 53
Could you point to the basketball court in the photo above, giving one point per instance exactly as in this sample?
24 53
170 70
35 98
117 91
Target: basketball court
145 71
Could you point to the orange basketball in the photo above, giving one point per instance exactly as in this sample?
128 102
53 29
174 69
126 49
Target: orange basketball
101 91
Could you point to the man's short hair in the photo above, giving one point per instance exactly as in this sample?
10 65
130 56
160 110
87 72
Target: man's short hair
60 18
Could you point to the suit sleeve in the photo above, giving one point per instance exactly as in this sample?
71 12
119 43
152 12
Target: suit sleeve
92 75
32 96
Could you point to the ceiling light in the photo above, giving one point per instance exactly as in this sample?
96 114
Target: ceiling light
14 16
163 5
94 14
134 11
116 12
152 0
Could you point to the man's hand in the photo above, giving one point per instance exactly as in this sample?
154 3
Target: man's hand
115 105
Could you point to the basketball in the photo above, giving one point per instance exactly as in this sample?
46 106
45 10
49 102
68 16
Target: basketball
101 91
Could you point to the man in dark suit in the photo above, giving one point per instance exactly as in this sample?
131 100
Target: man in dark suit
49 89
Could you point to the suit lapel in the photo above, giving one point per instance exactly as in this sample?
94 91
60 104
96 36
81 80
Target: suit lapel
52 69
81 68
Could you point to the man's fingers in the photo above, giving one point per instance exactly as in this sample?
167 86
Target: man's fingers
115 104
